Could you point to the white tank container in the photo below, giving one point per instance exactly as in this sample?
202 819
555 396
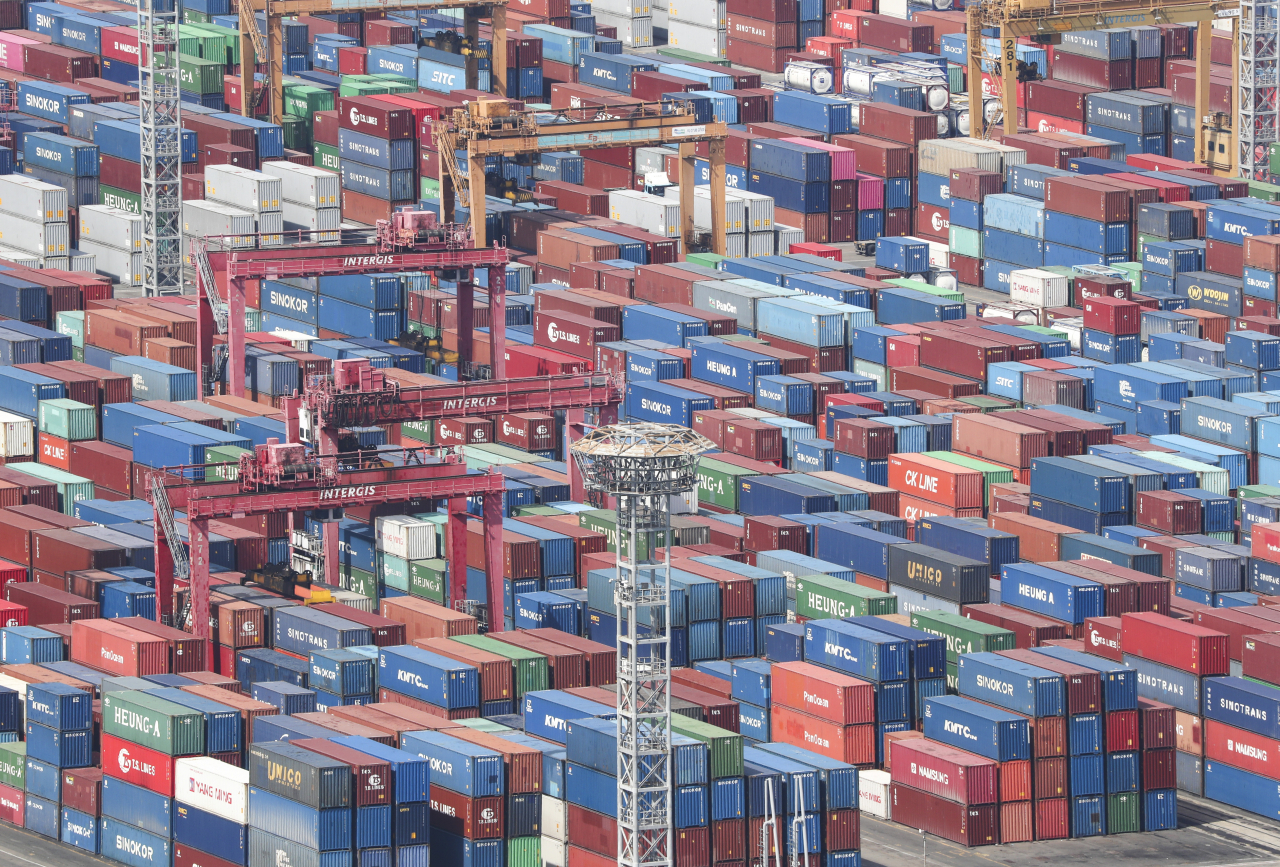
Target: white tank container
809 77
306 185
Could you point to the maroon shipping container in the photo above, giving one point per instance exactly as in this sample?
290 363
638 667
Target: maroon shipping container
213 130
973 185
386 631
186 652
1051 778
49 605
717 709
822 359
764 10
119 173
79 386
601 660
112 387
878 157
1087 199
753 439
1091 71
1102 636
590 830
59 551
575 335
650 86
82 790
1159 769
1064 440
692 847
894 34
968 826
1057 98
772 35
945 771
567 301
779 130
755 105
983 436
1168 512
472 818
1236 624
187 856
1122 595
902 125
1184 646
966 354
1158 724
1260 656
1043 151
863 438
576 198
58 63
375 118
774 533
1030 630
934 382
568 666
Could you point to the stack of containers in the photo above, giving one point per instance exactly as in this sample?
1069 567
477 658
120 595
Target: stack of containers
404 545
699 27
361 305
210 810
142 738
64 162
341 677
58 736
1236 770
300 804
376 143
239 187
39 213
310 199
114 237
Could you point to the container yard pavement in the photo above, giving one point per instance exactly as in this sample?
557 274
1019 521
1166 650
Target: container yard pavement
1208 834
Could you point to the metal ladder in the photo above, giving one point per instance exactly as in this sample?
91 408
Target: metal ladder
177 550
767 828
221 309
799 833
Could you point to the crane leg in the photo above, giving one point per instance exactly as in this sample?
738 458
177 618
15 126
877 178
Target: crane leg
457 541
466 322
498 321
235 338
198 533
492 514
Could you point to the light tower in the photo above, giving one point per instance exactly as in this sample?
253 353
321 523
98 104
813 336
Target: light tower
643 465
160 147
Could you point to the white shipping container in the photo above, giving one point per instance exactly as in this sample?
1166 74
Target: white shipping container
735 209
1038 288
202 217
122 266
703 13
46 239
760 244
623 8
80 261
786 236
213 786
940 156
18 686
554 822
271 229
309 218
355 600
555 853
306 185
650 160
21 257
1074 329
16 436
407 538
111 227
735 246
759 210
635 32
687 36
939 254
873 794
1009 155
31 199
239 186
642 210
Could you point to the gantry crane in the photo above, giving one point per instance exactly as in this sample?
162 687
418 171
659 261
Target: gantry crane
160 148
282 477
1046 20
253 44
409 241
492 127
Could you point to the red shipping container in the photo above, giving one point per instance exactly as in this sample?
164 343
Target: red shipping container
1017 822
1159 770
1260 656
892 34
12 805
375 118
592 831
1112 315
968 826
1168 512
54 451
902 125
854 744
186 856
936 481
1091 71
1184 646
1188 732
1053 819
753 439
1241 749
1030 630
774 533
960 352
82 789
1087 199
1102 636
1158 722
1122 731
1236 624
1051 778
186 652
150 769
813 690
863 438
49 605
945 771
984 436
118 650
13 613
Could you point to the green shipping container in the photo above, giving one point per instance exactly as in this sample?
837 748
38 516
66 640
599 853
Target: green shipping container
230 38
1124 813
523 511
223 455
681 54
191 16
878 372
68 419
962 634
725 746
524 852
325 156
965 242
706 260
350 86
197 75
13 765
154 723
297 133
114 197
481 724
77 353
362 582
718 483
430 188
198 42
303 100
529 669
1244 492
426 579
71 488
1266 192
819 596
945 294
953 678
71 323
422 431
991 473
394 571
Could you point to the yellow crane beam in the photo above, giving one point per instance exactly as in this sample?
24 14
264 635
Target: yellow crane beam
1033 18
251 40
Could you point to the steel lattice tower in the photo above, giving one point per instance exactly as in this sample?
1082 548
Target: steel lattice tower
643 465
161 147
1257 95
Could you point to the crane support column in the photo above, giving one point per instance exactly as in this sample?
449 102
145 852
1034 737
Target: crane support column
275 66
471 30
198 533
491 510
687 181
457 542
498 61
235 337
715 159
475 169
973 32
164 576
1204 52
1008 79
466 322
1237 99
248 61
498 321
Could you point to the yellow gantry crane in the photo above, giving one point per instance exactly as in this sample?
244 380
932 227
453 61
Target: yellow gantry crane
254 45
490 127
1047 20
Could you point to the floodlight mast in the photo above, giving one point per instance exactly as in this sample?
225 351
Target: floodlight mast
643 465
